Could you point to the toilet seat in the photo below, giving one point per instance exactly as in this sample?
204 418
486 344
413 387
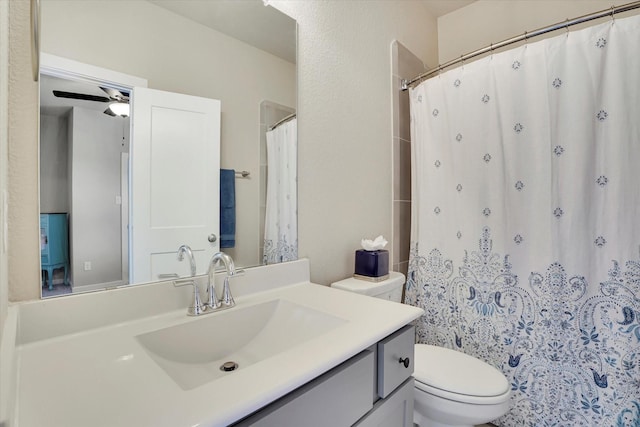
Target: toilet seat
457 376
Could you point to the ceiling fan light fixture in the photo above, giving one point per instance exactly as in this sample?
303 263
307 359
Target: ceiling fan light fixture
119 108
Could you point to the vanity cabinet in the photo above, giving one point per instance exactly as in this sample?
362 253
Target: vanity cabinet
336 398
372 389
394 411
54 245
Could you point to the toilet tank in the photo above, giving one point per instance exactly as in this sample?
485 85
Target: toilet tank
389 289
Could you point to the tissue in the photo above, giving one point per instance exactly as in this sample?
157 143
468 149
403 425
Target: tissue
372 262
374 245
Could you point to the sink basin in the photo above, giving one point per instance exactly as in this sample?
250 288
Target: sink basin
192 353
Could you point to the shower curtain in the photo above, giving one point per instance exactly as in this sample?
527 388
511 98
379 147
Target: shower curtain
525 212
281 220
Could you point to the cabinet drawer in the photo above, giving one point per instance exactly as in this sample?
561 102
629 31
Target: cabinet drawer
394 352
44 259
338 398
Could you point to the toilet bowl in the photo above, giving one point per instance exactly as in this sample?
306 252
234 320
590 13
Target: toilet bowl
455 389
452 389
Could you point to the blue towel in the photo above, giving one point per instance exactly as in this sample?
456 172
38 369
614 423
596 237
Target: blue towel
227 208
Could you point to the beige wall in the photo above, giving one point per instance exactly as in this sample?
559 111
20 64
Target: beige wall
181 57
4 89
345 121
490 21
23 237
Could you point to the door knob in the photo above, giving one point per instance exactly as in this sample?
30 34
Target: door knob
212 238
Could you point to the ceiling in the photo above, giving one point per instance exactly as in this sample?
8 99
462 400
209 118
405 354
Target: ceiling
250 21
264 26
441 7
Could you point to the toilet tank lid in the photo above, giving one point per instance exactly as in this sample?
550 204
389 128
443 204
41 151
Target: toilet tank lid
365 287
456 372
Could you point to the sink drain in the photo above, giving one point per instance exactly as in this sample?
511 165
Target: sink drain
229 366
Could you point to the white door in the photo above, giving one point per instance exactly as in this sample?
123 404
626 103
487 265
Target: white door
175 173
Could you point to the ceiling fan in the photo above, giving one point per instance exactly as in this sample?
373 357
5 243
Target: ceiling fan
119 100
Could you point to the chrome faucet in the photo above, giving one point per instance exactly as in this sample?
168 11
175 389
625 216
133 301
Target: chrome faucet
197 307
185 249
227 299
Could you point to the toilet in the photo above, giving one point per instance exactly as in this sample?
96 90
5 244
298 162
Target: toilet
452 389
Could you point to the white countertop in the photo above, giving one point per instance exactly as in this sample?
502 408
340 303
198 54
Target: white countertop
104 377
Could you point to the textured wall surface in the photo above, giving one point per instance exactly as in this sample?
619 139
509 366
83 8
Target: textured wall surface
490 21
345 122
24 228
4 100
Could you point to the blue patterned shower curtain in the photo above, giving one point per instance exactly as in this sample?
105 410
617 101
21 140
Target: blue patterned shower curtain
526 222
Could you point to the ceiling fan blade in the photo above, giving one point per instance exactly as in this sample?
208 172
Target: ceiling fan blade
115 94
108 112
82 96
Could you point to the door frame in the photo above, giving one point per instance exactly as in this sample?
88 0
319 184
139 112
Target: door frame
58 66
69 69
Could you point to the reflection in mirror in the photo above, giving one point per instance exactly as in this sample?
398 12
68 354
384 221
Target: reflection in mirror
197 59
281 206
84 154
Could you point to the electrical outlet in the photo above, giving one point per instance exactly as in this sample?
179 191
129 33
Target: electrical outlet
87 266
118 200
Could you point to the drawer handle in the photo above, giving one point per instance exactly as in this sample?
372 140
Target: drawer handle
406 361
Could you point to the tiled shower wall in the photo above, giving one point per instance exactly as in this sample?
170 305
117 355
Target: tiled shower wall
404 65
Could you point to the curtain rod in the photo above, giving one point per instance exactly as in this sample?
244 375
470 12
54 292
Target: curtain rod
406 84
286 119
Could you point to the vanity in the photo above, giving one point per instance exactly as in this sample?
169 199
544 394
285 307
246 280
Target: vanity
306 355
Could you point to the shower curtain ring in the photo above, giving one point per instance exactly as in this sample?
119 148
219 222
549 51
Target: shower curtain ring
566 26
613 11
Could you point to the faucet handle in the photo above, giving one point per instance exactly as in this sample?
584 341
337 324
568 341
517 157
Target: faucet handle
212 301
196 308
227 299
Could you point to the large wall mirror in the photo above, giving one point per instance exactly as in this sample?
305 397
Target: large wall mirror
242 53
